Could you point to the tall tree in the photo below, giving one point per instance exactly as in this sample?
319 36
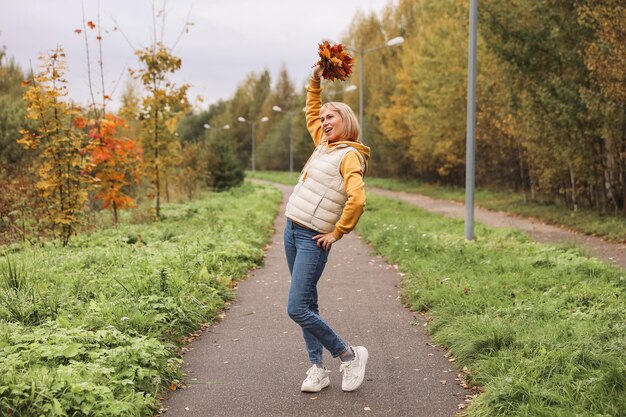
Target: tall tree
61 165
430 94
129 110
247 102
12 109
115 162
543 42
605 58
274 137
163 105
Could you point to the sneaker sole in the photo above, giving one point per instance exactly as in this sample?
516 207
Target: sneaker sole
363 356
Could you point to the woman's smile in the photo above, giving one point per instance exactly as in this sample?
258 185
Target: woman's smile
332 125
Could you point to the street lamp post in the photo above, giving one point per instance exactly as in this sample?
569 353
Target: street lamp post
253 124
279 109
397 41
289 115
470 148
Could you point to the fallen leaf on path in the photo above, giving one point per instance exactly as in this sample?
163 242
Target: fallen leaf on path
443 382
367 409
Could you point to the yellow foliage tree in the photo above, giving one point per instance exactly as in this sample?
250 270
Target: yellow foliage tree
162 107
62 167
430 94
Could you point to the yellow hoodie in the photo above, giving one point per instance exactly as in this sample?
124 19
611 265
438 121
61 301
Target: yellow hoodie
350 167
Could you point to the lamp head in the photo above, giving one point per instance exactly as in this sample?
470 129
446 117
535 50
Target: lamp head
399 40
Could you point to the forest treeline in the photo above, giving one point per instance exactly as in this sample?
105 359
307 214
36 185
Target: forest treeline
550 113
551 120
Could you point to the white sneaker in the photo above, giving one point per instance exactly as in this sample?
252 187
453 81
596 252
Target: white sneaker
354 370
316 380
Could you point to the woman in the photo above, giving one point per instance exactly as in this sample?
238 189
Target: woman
326 203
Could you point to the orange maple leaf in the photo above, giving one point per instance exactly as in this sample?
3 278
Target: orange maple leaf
80 123
335 61
78 31
91 25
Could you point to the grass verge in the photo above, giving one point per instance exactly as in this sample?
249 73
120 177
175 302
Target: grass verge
542 329
94 328
584 221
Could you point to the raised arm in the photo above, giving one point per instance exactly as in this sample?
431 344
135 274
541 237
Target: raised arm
313 106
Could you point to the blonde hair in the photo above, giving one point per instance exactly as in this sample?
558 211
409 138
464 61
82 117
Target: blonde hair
351 129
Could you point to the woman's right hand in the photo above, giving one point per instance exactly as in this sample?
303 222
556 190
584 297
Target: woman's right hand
317 72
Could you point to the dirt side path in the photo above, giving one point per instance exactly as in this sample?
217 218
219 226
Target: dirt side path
252 363
614 253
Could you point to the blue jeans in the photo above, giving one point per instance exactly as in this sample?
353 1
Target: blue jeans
306 263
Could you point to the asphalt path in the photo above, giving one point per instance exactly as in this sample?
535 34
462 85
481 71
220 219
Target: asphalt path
253 362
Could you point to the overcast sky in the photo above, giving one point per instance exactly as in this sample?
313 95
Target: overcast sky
229 39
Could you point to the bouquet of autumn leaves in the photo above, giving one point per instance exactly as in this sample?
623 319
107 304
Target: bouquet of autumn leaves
335 61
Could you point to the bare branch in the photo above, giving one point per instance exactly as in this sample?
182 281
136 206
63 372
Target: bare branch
117 83
154 38
99 38
184 30
118 27
162 12
93 98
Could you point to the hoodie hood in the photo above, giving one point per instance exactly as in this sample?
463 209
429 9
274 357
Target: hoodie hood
363 150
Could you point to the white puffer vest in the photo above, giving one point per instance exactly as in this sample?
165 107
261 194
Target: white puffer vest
318 199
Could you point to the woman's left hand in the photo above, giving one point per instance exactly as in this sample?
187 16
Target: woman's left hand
325 240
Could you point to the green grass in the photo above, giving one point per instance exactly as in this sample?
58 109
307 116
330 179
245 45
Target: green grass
280 177
584 221
542 329
93 329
